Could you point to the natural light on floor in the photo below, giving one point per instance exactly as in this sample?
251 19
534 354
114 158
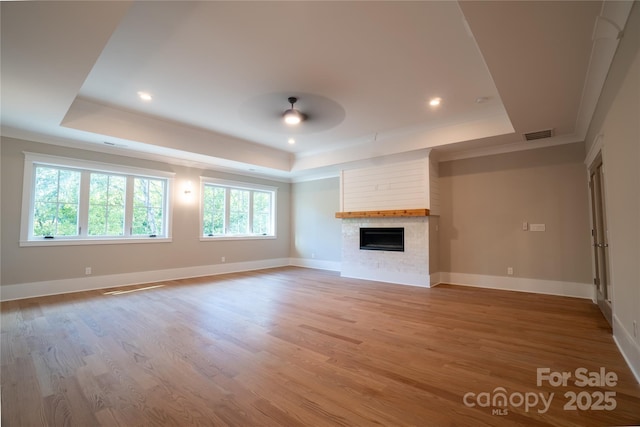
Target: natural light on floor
132 290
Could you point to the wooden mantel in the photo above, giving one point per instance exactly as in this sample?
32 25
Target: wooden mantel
383 214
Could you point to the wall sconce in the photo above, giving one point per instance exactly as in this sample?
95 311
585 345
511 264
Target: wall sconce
188 188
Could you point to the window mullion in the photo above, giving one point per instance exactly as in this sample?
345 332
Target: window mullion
83 203
128 206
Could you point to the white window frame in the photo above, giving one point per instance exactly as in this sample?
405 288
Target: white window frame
237 185
86 167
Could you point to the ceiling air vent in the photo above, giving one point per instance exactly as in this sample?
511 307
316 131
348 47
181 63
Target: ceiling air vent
541 134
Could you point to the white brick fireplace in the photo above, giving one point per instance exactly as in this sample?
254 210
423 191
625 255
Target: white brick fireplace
394 195
410 267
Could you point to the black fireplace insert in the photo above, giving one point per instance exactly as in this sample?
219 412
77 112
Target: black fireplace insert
382 239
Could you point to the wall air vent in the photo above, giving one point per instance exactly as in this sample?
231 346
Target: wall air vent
541 134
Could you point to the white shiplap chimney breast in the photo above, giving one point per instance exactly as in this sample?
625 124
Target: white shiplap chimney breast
402 185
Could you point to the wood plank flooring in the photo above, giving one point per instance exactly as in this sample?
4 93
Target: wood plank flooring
300 347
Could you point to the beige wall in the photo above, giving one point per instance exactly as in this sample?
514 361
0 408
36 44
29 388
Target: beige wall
317 233
35 264
485 200
617 125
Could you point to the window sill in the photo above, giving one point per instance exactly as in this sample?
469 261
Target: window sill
99 241
215 238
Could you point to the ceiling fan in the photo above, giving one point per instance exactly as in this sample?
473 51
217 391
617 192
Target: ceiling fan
292 116
316 114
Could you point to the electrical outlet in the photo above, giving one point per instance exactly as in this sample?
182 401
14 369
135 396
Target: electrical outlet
525 225
510 271
223 259
87 271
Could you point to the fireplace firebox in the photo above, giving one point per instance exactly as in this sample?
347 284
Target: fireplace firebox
382 239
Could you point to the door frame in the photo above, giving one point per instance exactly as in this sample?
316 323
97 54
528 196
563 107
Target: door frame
600 255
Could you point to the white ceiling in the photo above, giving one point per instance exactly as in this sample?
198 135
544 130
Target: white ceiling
220 74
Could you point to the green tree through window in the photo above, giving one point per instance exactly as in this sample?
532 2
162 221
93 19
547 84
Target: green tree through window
213 217
106 205
55 210
148 202
238 211
230 211
74 200
261 212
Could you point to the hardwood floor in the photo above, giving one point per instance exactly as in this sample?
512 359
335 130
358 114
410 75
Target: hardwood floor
299 347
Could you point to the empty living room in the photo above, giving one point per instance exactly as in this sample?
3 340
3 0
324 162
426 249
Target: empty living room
311 213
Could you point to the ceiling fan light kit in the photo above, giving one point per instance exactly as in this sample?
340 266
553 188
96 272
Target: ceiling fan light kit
293 116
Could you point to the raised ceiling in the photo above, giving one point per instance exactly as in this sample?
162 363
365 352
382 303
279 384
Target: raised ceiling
220 74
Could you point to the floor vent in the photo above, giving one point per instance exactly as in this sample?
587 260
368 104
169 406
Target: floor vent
541 134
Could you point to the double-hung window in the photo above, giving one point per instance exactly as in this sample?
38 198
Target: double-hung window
237 210
69 201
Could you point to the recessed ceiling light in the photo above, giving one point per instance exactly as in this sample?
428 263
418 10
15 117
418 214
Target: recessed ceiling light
434 102
482 99
145 96
291 141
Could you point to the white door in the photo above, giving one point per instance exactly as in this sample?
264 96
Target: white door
599 238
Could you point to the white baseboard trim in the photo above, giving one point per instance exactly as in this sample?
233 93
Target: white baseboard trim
318 264
65 286
520 284
434 279
628 347
399 278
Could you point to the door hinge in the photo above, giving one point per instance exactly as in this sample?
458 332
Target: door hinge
596 281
